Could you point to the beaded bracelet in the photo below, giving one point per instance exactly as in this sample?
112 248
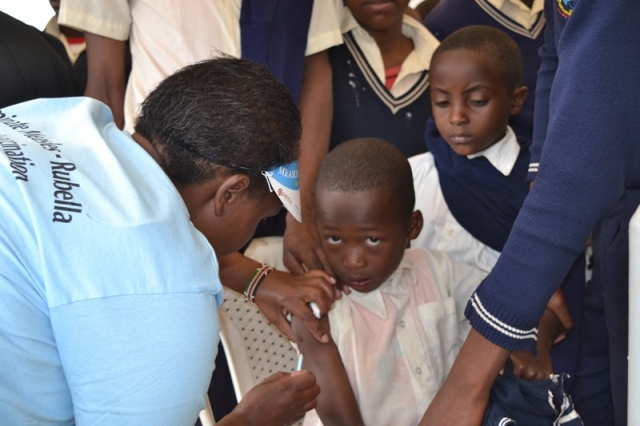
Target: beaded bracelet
255 281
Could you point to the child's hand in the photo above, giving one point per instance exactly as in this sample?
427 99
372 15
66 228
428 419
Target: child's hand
302 247
532 367
537 367
281 293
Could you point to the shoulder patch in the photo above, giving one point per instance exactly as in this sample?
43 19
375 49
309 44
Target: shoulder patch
565 8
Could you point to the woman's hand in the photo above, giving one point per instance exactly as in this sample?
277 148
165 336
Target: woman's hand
281 293
280 399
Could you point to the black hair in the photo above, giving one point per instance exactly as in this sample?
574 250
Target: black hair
366 164
221 112
491 42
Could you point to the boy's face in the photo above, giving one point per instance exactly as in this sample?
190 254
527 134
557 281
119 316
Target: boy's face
377 15
363 235
470 100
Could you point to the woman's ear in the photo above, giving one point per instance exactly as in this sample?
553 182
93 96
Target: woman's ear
229 192
415 224
517 99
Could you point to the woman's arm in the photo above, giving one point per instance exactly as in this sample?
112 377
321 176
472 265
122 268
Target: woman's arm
281 293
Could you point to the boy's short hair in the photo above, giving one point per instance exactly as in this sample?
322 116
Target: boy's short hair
366 164
221 112
491 42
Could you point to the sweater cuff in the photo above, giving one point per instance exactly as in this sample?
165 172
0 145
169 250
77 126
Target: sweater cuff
533 169
499 326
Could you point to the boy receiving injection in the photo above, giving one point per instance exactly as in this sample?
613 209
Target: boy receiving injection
396 335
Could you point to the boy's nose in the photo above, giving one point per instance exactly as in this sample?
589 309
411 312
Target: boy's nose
458 116
354 259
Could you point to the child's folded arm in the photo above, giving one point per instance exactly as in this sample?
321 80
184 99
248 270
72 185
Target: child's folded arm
337 404
554 325
529 366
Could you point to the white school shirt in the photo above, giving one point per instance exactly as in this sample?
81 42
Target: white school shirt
441 231
166 35
398 342
418 60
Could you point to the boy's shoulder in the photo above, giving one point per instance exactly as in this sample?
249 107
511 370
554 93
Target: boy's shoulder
424 261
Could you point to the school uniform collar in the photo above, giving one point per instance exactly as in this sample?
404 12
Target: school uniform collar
373 300
503 154
517 11
424 43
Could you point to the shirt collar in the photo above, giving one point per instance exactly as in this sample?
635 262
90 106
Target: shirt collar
517 11
502 154
424 42
373 300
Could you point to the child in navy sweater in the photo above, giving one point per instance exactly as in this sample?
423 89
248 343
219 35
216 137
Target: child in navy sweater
522 20
472 182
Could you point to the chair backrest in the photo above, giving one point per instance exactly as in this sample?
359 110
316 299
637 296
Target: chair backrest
255 348
206 415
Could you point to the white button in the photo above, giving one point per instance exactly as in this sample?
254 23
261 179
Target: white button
401 323
418 370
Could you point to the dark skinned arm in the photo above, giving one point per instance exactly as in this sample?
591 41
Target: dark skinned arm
463 398
302 245
106 75
336 403
281 293
280 399
554 325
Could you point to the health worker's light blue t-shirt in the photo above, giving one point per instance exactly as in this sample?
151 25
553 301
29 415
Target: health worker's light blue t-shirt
108 294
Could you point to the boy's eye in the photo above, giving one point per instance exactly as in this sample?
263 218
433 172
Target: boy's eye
441 104
479 102
333 240
373 241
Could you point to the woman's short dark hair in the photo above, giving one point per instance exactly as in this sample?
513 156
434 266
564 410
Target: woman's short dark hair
221 112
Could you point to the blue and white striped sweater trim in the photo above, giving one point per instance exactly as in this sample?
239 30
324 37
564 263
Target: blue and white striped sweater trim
532 33
506 329
533 167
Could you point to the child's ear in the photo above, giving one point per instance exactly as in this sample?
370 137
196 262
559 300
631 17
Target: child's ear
229 191
517 99
415 224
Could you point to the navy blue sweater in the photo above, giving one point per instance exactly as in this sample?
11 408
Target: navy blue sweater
590 157
364 107
274 33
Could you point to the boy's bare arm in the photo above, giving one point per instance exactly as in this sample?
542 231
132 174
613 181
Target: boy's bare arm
302 244
106 73
336 403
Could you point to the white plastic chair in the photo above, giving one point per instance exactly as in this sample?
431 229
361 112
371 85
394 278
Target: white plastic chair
255 348
206 415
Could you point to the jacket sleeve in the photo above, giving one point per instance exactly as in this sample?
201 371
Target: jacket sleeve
589 158
546 73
